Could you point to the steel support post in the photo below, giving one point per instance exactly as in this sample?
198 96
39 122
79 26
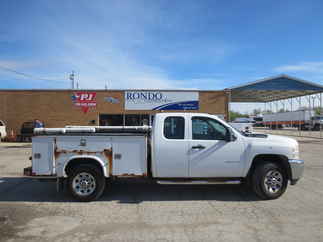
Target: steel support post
320 114
291 109
272 111
299 120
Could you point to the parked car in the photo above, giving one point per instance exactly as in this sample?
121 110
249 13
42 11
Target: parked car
3 132
243 124
180 148
258 121
243 127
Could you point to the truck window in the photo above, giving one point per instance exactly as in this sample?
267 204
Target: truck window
174 127
207 129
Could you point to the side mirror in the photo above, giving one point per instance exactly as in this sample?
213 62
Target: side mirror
230 136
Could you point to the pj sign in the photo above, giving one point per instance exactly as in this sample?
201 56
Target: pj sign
85 100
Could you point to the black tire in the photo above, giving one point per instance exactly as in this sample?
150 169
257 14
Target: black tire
93 174
272 173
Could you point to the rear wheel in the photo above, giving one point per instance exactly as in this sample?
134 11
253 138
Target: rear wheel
269 181
86 183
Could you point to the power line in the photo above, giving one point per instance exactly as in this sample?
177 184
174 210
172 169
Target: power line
28 75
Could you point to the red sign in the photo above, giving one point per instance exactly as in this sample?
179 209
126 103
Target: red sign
85 100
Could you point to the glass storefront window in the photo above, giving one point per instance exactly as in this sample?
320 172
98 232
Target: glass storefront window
132 120
121 119
111 119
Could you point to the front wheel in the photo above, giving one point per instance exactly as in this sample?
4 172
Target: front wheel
269 181
86 183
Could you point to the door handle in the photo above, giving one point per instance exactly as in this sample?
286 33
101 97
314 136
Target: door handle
200 147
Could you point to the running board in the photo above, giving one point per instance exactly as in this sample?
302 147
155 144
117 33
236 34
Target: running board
197 182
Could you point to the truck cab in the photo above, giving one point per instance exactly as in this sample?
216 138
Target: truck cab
195 145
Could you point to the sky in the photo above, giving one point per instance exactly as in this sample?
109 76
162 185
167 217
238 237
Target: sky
207 45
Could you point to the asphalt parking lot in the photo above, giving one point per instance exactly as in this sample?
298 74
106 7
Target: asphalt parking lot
33 211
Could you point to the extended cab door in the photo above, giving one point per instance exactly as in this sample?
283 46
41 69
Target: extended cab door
210 154
170 142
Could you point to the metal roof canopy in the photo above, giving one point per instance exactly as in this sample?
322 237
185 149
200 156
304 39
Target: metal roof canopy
274 89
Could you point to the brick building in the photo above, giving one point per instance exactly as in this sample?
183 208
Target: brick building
58 108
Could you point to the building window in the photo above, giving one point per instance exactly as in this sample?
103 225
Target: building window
136 119
121 119
111 120
174 127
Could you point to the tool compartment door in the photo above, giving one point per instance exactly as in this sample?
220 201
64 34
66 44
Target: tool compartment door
42 156
129 156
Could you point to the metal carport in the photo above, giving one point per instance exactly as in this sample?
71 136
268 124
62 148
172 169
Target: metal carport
280 90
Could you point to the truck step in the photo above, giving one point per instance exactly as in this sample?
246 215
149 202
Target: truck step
197 182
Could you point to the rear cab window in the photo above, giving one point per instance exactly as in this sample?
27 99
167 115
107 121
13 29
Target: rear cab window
174 127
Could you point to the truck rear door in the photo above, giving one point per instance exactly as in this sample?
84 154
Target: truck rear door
171 147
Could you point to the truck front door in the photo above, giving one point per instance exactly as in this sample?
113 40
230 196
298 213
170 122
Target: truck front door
210 154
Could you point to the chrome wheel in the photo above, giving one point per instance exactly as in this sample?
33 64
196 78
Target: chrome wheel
84 184
273 181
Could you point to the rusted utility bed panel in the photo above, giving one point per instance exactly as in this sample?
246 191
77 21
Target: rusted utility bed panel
120 154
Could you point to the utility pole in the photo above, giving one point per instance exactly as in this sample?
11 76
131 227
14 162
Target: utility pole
72 79
106 86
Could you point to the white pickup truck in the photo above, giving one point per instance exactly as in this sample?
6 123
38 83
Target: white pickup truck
180 148
3 132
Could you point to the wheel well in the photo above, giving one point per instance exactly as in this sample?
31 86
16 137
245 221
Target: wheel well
82 161
279 160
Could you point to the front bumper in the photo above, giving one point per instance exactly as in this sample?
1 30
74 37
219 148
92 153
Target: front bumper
297 169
